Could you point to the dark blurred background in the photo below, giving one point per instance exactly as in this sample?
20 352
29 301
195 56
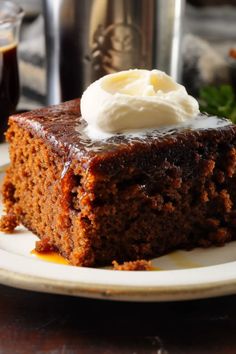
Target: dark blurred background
209 35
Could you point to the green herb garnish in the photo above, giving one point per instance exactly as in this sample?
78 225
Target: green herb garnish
219 101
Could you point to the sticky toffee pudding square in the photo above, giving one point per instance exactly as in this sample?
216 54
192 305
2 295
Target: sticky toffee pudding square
123 198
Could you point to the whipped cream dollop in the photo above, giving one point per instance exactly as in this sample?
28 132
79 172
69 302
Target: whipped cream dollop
135 100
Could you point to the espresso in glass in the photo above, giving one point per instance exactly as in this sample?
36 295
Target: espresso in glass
9 85
10 20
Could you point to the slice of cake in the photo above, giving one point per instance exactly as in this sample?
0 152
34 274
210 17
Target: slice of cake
124 197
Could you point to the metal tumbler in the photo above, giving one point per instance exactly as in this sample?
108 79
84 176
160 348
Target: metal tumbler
86 39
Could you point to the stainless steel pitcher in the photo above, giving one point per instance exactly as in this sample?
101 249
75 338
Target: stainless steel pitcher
86 39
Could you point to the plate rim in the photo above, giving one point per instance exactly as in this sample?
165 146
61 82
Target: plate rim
119 293
115 291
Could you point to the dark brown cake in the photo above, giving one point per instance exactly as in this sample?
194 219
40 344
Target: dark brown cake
124 198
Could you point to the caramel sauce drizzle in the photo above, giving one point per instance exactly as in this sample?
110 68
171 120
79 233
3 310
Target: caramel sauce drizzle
52 257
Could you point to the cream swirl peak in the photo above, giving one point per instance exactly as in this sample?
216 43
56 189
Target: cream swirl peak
136 100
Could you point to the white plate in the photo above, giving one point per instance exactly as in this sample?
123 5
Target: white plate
200 273
183 275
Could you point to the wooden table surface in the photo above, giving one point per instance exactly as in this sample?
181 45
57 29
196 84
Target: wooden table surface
42 323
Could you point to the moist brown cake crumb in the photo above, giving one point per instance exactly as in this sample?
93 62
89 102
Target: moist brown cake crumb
140 264
8 223
43 246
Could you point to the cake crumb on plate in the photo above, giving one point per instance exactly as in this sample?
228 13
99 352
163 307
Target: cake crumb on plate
8 223
140 264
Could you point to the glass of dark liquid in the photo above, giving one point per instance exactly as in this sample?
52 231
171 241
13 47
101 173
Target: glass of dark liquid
10 20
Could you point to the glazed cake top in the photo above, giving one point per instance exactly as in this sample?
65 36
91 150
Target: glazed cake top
62 127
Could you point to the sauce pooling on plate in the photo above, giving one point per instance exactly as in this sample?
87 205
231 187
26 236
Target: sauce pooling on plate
50 256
